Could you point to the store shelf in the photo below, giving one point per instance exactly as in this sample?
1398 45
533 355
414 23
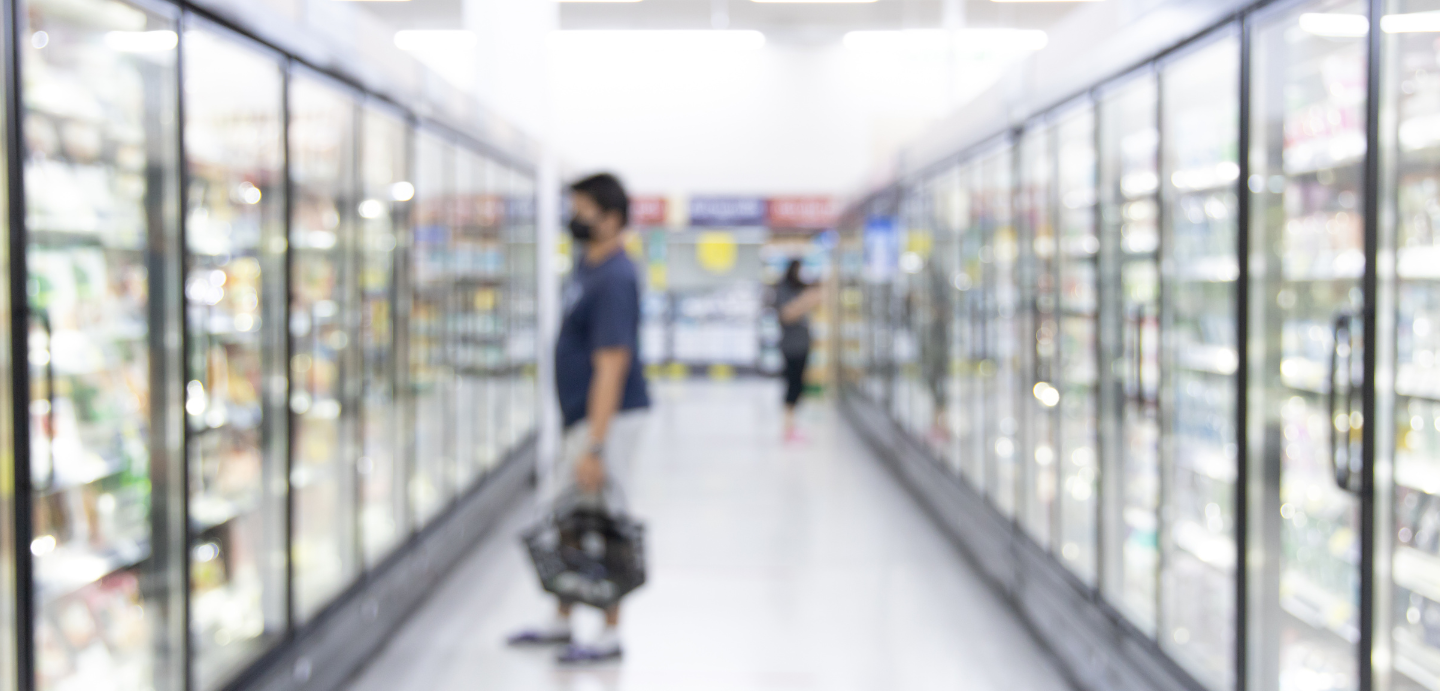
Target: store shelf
67 569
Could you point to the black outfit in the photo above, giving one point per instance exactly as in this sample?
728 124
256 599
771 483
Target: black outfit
794 341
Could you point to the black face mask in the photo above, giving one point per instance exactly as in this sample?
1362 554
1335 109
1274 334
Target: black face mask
580 230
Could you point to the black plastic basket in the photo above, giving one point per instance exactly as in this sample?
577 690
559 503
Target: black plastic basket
588 555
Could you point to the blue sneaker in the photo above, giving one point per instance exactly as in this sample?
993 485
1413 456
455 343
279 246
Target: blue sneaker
540 636
582 654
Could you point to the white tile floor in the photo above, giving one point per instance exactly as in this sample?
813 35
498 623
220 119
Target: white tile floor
773 568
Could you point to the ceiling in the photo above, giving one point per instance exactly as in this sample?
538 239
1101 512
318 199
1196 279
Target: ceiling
776 19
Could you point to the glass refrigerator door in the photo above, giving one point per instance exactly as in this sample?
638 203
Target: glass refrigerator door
1200 175
1306 263
387 191
1128 183
1079 359
101 177
1035 213
430 365
235 308
970 429
939 336
916 412
1408 509
499 276
1001 371
475 299
521 258
323 314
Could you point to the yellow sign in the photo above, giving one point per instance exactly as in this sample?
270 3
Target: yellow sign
919 242
658 277
716 251
635 246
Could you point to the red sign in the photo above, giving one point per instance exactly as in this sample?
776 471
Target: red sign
802 212
647 211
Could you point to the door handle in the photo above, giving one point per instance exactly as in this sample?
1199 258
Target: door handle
1342 332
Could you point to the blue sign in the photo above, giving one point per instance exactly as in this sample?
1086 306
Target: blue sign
727 212
882 248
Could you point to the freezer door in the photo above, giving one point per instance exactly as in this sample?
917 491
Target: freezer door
324 311
1200 358
1129 181
384 215
236 319
1306 262
1040 393
1001 372
432 298
1078 367
101 179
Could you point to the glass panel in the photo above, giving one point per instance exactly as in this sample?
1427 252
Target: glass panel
1306 260
937 349
1001 371
970 345
1034 212
916 411
101 175
1128 182
476 301
235 320
500 276
1407 610
387 191
521 259
1200 178
322 317
1078 370
430 369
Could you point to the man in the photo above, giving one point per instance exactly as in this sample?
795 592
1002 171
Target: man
599 382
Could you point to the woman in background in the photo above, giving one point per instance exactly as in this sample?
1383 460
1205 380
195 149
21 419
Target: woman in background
794 301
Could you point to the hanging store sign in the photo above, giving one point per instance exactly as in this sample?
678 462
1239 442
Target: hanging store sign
719 212
647 212
808 213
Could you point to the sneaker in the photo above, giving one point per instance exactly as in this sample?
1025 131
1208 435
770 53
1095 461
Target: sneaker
581 654
540 636
794 436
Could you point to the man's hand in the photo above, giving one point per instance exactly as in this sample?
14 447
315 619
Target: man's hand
590 473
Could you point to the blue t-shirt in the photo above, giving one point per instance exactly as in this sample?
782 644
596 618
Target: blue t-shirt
602 310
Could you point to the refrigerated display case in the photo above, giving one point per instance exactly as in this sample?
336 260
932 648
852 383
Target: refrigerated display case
1129 236
384 217
1034 212
1200 173
477 296
969 343
1001 371
1306 259
430 323
1407 604
1078 367
101 169
942 281
523 301
913 406
235 323
323 314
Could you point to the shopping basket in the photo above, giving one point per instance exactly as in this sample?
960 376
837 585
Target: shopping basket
587 554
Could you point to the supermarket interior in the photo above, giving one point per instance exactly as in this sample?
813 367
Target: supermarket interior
1121 345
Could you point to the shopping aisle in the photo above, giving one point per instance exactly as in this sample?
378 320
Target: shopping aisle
773 567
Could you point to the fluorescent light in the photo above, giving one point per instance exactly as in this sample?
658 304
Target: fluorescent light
599 0
1044 0
940 39
1335 25
659 39
141 41
814 1
435 39
1412 23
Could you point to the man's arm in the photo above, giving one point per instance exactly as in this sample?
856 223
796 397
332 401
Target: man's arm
611 365
803 304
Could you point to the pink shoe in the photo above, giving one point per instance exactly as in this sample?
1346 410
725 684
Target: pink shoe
795 437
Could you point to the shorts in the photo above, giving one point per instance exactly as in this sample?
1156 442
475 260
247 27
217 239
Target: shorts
621 443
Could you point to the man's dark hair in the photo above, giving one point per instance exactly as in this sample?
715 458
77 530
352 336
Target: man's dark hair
607 193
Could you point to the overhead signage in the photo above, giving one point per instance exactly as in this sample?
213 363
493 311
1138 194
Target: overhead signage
721 212
647 212
808 213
